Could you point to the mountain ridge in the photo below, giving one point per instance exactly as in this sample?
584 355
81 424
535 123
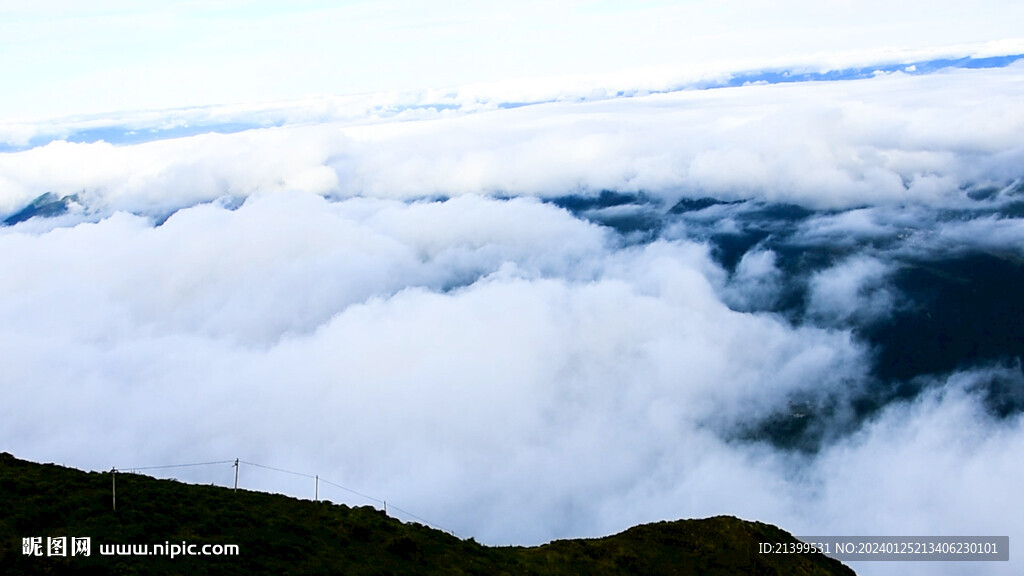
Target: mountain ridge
278 534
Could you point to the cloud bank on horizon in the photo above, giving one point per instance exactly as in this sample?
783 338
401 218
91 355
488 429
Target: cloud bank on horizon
893 138
529 312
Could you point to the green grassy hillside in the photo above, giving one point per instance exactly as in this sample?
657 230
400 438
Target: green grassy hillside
282 535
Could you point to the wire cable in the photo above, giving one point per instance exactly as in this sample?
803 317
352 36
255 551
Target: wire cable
377 500
136 469
277 469
425 521
318 478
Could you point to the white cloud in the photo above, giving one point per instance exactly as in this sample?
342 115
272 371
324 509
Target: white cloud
315 334
992 233
936 466
891 140
756 283
500 366
854 289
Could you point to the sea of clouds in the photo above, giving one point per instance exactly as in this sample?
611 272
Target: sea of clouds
402 305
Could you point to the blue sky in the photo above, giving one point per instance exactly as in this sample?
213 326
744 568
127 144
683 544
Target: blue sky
68 58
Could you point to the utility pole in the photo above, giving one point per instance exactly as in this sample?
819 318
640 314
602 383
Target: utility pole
316 491
236 474
113 487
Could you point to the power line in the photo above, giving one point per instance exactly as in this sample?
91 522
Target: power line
352 491
325 481
277 469
318 479
136 469
427 522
